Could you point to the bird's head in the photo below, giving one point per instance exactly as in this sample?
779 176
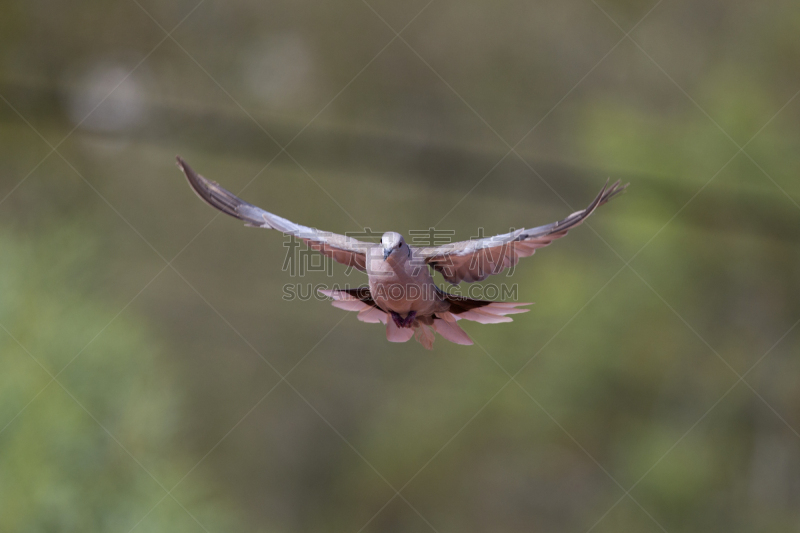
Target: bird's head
390 242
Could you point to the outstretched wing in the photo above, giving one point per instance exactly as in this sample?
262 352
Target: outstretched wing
478 259
340 248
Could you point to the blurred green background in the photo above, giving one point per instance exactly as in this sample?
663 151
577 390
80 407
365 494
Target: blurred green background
144 338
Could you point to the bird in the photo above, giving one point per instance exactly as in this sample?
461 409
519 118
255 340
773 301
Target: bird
401 293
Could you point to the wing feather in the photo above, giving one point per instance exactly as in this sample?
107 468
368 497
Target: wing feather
477 259
340 248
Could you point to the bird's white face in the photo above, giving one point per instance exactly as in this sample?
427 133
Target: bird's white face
390 242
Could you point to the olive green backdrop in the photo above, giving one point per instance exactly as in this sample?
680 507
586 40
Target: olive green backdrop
153 378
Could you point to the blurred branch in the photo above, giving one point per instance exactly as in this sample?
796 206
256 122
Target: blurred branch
438 164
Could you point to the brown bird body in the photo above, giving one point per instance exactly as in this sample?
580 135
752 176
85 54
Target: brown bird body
401 292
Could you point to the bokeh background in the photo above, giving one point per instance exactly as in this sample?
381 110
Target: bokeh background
152 377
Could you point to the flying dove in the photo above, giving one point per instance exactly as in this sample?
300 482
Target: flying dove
401 293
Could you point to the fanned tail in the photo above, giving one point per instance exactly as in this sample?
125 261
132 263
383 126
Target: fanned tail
482 311
424 329
360 300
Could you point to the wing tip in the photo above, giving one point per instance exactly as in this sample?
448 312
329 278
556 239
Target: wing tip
215 196
198 183
190 174
608 193
603 197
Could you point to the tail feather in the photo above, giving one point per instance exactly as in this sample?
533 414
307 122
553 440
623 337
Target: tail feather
351 305
483 318
482 311
372 315
425 328
424 335
446 327
358 299
396 334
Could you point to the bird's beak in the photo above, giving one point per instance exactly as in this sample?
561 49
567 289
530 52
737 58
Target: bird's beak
386 254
